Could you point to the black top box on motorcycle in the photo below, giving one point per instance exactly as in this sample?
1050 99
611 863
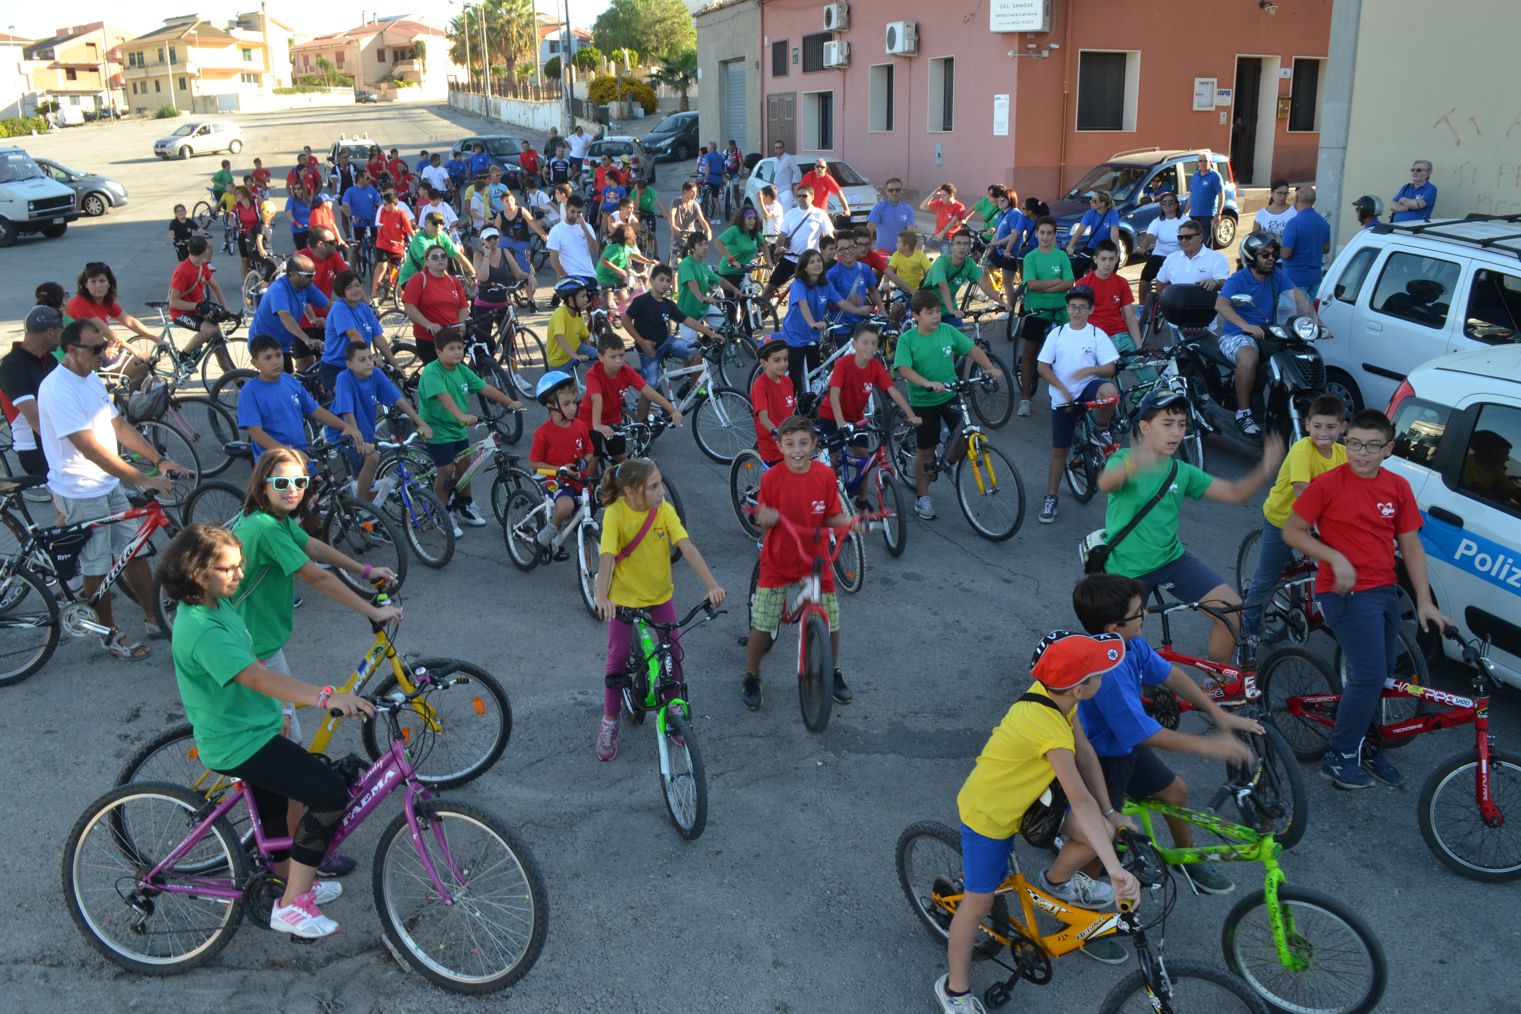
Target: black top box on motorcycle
1188 305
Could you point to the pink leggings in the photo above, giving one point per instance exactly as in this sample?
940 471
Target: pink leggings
620 637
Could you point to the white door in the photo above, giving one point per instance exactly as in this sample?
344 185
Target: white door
1407 321
736 104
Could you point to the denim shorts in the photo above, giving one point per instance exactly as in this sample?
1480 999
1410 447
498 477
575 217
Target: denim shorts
1064 420
984 861
1188 578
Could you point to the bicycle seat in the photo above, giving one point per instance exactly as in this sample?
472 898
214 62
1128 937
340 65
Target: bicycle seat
239 449
12 486
158 304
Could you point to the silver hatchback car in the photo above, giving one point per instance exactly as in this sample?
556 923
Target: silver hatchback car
200 137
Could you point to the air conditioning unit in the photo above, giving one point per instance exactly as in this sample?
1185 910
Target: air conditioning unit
902 38
836 17
836 54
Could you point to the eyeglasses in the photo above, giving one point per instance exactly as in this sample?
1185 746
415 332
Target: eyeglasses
304 274
1416 169
1367 447
895 190
281 483
1138 616
1189 235
437 257
234 569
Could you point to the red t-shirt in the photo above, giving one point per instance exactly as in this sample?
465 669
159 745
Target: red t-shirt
79 306
561 445
776 399
323 280
375 167
398 170
611 389
823 186
189 280
529 160
1110 296
395 226
945 213
312 177
248 216
805 499
261 178
875 259
438 299
856 384
1359 518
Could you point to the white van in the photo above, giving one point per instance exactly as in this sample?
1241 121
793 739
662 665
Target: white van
30 200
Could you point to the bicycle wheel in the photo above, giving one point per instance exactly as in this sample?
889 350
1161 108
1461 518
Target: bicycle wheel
1084 463
850 565
359 530
173 757
210 427
991 495
685 787
1411 666
29 628
1192 448
1454 828
744 485
228 386
736 358
151 931
203 214
494 937
216 503
519 526
454 735
425 523
815 683
503 485
890 500
902 444
995 407
723 424
589 546
929 866
523 355
1191 986
501 418
1281 801
673 497
1294 672
168 442
234 350
1339 965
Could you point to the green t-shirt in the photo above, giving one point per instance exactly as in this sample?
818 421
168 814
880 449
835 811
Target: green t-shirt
1154 542
619 255
933 357
211 646
693 270
273 550
459 383
941 271
741 246
221 181
417 249
988 210
647 199
1048 267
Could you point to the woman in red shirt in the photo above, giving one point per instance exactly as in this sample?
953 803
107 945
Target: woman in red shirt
96 297
434 299
246 211
376 165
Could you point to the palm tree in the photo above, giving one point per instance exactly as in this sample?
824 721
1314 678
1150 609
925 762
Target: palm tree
679 73
511 35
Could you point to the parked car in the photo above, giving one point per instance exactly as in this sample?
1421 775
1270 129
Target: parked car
31 200
365 95
1457 441
504 149
94 193
674 138
1135 179
357 148
619 146
200 137
859 191
1397 296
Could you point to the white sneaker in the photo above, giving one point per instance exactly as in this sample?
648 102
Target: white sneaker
546 535
326 891
468 514
1024 407
302 919
459 533
1082 890
925 508
965 1004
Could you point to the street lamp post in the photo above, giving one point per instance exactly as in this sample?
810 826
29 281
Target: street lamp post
485 59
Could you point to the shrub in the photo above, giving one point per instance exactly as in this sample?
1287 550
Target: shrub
22 126
607 88
166 113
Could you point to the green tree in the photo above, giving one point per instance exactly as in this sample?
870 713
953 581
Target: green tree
627 57
511 36
679 73
587 58
657 28
552 68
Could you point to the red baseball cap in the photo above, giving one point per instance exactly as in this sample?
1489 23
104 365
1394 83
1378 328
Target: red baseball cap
1065 658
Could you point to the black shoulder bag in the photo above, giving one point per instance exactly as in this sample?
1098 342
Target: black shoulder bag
1095 549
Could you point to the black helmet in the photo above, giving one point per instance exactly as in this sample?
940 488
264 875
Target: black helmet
1368 205
1257 242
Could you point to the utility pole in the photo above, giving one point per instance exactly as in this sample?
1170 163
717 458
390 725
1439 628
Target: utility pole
105 72
486 58
469 71
568 74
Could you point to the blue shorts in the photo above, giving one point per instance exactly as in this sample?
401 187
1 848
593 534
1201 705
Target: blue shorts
1141 775
445 453
1064 419
984 861
649 366
1188 578
1006 262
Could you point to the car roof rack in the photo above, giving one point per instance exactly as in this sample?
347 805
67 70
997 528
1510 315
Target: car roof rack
1508 241
1135 151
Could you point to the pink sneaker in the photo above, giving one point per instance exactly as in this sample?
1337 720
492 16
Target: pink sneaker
607 739
302 919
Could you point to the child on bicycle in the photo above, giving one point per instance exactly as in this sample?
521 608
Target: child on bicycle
1077 362
1037 747
360 394
606 384
851 384
568 343
1152 553
233 703
926 361
773 398
807 495
1310 456
1363 512
272 405
561 441
443 391
221 184
639 527
1124 735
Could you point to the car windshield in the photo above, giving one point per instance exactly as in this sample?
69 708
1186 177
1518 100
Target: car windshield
18 165
845 176
670 124
70 170
1119 180
504 146
614 148
185 130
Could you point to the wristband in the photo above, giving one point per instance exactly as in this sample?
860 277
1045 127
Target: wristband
367 572
1109 813
323 696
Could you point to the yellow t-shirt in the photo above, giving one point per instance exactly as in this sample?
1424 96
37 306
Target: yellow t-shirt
573 326
1012 770
912 268
644 579
1301 464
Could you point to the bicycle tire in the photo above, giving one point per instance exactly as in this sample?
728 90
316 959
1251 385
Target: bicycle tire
723 424
902 445
228 386
358 529
508 422
522 549
167 442
254 286
216 502
108 920
744 484
673 497
25 605
172 756
210 426
1132 994
1192 448
1001 484
1451 789
687 775
502 878
164 608
850 565
1280 786
1084 463
203 214
474 719
1410 665
1250 953
237 354
735 359
523 355
503 485
996 407
426 525
815 683
1294 672
890 500
943 876
589 550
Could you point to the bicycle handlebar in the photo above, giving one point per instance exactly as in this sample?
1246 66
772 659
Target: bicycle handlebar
1475 652
397 701
629 614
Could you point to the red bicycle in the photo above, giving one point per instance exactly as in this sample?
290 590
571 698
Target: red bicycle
870 479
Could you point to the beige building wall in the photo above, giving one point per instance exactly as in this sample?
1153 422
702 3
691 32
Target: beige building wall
728 35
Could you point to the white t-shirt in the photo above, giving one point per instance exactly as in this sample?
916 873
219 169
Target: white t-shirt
577 145
538 201
443 208
806 226
574 245
1265 219
1178 269
1068 349
773 215
437 177
478 205
1166 232
68 403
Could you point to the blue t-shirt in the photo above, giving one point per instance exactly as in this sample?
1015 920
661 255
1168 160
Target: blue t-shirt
479 163
1014 221
794 328
1099 225
1427 192
365 398
1204 190
341 318
278 407
282 295
363 203
1308 239
851 283
890 220
611 196
455 167
1264 295
1113 719
300 213
713 166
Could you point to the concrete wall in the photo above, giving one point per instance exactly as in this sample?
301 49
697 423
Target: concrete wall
544 117
724 35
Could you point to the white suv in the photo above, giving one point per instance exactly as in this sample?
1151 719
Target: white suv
1457 440
1398 296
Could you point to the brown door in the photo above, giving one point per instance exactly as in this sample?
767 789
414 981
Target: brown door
781 120
1244 117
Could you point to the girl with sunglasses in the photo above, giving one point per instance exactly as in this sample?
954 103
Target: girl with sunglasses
1159 239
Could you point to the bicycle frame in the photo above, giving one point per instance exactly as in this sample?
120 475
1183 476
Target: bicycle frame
1079 925
153 519
1228 685
1458 710
657 654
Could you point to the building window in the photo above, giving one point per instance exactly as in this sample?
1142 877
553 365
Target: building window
182 85
813 51
161 56
1304 101
1107 89
134 87
70 74
252 79
157 86
380 54
818 121
338 58
881 97
779 59
247 55
174 56
942 94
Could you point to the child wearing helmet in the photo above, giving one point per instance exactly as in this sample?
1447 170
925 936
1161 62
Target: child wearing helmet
561 441
569 335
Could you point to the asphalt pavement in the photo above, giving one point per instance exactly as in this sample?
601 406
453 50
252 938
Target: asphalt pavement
789 902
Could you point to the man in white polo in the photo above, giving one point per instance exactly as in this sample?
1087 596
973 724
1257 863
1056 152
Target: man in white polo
1193 263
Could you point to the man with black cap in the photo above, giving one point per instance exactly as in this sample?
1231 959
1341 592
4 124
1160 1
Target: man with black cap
1368 209
21 373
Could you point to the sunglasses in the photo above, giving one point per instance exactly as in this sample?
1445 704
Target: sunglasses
1189 235
93 350
304 274
281 483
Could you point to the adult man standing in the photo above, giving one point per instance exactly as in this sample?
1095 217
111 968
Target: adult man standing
284 304
1206 196
1193 263
890 216
21 373
1416 200
1305 243
81 435
1264 281
360 204
823 186
801 230
785 174
435 175
711 163
343 175
573 247
579 143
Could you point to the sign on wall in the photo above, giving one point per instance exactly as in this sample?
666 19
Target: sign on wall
1001 115
1204 94
1019 15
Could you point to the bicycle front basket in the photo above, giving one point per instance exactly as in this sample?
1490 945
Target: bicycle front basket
150 401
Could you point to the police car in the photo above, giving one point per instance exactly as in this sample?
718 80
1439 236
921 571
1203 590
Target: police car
1457 440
